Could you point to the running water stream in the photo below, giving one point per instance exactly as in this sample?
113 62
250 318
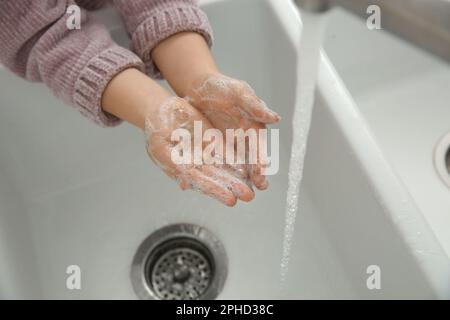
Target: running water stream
308 65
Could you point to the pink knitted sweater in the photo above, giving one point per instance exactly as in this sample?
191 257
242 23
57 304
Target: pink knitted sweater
36 44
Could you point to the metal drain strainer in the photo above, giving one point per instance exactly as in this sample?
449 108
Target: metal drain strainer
179 262
181 273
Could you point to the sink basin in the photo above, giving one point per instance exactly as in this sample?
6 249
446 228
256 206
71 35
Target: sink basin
402 93
72 193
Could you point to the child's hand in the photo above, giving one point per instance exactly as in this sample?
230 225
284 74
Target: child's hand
222 182
230 104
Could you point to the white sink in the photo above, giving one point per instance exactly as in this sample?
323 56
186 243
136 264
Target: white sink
74 193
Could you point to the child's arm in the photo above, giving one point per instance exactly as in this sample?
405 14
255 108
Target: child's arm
132 96
184 59
149 22
77 65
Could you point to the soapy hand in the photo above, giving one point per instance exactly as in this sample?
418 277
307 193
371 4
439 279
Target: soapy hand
225 183
231 104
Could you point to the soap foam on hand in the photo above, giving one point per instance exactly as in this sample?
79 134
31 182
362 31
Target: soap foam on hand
222 182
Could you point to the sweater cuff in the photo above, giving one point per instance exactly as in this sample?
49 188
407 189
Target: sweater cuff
95 76
162 24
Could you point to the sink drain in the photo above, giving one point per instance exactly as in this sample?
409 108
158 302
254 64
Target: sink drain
179 262
442 159
182 273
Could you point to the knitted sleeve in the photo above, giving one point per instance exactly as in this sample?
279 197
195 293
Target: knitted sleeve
38 44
